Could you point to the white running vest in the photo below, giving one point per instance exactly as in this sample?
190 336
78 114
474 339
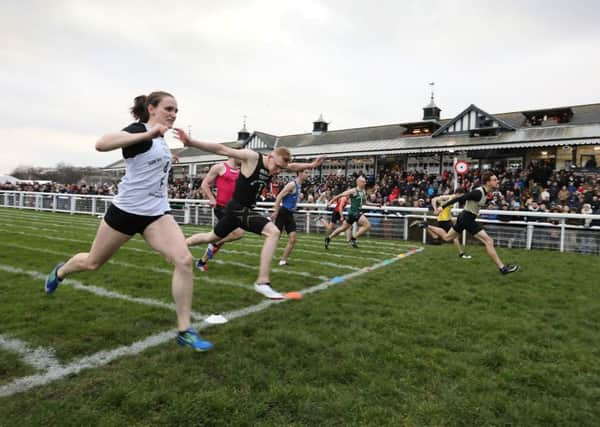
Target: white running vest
473 206
143 189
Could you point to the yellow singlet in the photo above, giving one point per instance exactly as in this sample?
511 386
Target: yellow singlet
445 214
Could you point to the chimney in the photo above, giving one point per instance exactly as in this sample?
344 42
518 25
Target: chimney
243 134
320 125
431 111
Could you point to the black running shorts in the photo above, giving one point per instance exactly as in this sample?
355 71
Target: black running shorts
240 217
127 223
445 225
219 211
285 221
467 221
336 217
353 217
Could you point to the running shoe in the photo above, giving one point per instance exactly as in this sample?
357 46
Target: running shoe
211 250
465 256
283 263
509 268
327 241
190 338
266 290
201 265
353 243
52 281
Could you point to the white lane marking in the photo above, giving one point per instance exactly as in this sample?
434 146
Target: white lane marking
64 239
273 270
247 243
41 358
86 223
306 238
203 278
296 259
104 357
96 290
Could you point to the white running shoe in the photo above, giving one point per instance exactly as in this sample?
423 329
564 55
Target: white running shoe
282 263
266 290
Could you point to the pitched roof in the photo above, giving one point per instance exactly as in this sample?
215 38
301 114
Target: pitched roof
497 122
583 128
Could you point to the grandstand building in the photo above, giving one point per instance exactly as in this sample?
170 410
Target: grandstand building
561 137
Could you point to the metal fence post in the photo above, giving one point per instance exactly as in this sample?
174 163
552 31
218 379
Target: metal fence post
563 231
424 229
529 235
307 222
186 214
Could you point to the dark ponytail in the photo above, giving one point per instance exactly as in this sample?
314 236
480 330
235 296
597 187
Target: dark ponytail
141 103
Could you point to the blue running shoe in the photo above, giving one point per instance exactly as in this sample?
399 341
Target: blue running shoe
509 268
201 265
190 338
211 250
52 281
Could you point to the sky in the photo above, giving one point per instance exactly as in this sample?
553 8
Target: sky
69 69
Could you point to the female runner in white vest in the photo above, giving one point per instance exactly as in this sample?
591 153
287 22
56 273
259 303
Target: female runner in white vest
142 206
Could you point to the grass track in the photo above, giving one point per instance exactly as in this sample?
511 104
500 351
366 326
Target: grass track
429 340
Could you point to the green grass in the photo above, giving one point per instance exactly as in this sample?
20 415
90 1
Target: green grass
429 340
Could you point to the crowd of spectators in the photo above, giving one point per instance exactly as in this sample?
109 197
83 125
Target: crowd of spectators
535 189
105 189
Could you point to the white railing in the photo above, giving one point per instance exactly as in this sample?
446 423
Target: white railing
529 230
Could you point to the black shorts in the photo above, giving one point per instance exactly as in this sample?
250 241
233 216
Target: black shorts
240 217
445 225
467 221
336 217
127 223
219 211
285 221
351 218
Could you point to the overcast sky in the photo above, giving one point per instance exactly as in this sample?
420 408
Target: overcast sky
70 69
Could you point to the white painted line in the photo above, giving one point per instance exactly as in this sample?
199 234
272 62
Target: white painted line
247 243
328 254
203 278
96 290
273 270
306 239
364 243
96 360
299 260
104 357
41 358
69 224
127 248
